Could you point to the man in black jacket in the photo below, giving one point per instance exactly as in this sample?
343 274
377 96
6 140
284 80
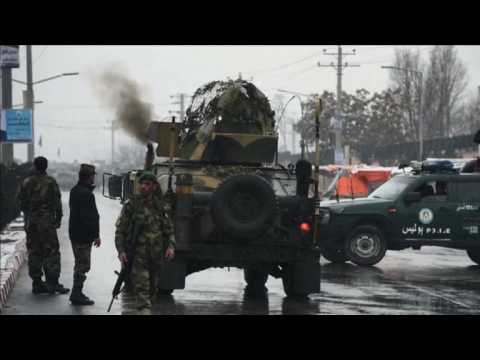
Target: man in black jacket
83 230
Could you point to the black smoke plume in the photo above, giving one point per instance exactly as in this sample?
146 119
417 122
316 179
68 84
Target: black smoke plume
123 95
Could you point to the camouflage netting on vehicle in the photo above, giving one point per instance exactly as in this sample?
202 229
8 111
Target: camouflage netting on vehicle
241 106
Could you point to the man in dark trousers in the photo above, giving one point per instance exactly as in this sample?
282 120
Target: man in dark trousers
83 230
40 201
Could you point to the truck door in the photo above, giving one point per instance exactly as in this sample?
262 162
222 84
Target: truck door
432 218
466 195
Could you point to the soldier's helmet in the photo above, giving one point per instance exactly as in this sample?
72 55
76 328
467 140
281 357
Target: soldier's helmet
148 176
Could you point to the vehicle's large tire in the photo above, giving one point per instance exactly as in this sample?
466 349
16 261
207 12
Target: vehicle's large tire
244 206
256 281
365 245
474 254
336 256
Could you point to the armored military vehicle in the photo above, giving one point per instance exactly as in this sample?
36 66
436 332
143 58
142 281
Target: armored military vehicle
232 204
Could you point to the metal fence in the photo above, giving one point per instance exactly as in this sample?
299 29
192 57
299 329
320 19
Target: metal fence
397 153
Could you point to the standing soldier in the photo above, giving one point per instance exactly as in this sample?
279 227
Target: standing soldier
84 229
40 201
154 241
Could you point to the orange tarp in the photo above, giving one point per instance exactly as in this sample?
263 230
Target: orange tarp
357 182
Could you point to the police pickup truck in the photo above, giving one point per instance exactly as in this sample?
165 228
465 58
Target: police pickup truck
434 205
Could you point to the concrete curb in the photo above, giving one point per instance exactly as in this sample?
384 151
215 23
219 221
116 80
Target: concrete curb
12 261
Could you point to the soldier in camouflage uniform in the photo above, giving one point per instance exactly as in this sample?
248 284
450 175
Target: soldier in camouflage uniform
155 242
40 201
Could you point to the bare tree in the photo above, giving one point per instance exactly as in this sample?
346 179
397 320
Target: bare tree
436 96
445 84
278 105
466 119
409 88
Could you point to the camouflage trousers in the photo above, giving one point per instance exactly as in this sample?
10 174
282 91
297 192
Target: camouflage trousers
43 251
145 270
82 254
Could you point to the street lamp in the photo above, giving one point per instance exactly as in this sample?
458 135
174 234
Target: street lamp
420 120
20 105
302 108
28 101
47 79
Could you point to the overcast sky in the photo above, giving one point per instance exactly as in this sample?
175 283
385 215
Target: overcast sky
73 119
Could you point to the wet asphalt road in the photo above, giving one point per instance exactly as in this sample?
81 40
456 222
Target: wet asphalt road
430 281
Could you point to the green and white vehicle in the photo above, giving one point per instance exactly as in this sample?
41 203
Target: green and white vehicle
436 208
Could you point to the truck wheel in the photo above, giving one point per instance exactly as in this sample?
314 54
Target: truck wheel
365 245
336 256
256 281
474 255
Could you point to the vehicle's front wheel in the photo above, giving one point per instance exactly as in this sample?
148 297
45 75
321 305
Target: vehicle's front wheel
365 245
474 255
334 255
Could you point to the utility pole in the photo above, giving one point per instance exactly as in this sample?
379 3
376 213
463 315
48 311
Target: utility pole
29 102
7 149
338 126
181 101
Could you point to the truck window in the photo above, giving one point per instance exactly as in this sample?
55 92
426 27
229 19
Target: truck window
466 191
392 188
433 191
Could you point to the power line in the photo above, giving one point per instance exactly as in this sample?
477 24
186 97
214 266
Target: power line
306 69
39 56
284 65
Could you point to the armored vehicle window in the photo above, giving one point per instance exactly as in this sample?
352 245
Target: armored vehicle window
393 188
284 187
466 191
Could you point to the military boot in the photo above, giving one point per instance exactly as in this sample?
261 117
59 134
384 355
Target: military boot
39 286
77 297
55 287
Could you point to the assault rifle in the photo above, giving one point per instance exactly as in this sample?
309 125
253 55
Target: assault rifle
126 269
